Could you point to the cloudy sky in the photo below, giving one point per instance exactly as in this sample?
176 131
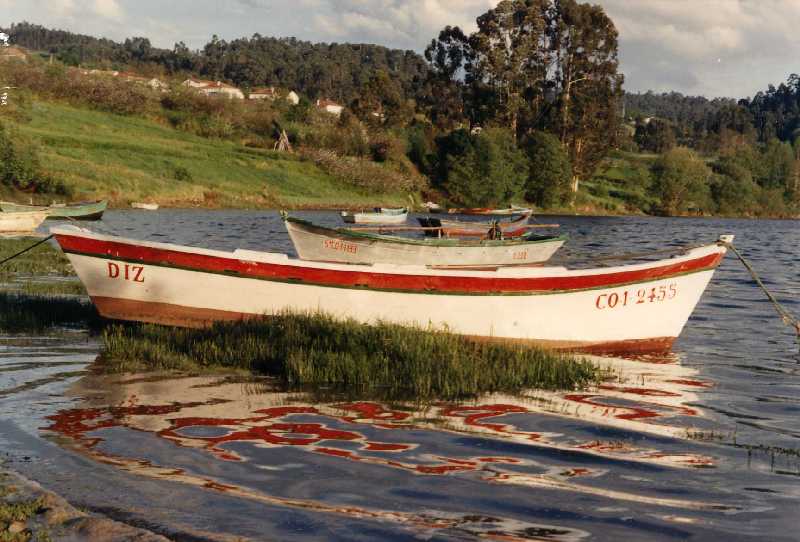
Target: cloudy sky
709 47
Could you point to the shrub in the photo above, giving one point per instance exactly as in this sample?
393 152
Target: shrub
484 169
182 174
680 181
385 147
19 159
364 173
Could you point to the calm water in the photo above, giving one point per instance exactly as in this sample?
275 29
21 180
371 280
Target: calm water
700 444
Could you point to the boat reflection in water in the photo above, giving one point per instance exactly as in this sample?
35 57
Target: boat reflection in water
250 423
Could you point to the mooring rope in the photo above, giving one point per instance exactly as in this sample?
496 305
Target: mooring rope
787 317
21 252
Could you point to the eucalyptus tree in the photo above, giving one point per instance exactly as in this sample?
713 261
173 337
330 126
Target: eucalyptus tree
548 65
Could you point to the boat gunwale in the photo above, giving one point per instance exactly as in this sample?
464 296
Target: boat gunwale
711 254
524 240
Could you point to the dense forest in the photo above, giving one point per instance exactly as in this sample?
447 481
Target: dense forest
771 114
530 106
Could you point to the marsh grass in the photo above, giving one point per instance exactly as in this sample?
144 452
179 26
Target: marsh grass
45 270
45 259
386 360
36 313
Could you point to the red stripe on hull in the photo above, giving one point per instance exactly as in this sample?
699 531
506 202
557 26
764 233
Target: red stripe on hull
375 280
182 316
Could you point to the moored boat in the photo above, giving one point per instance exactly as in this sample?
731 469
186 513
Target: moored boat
342 245
381 215
22 221
144 206
635 307
513 210
88 210
437 227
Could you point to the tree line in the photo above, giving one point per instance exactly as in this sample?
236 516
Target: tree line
316 70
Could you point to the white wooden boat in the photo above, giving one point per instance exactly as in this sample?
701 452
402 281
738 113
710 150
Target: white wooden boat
636 307
145 206
381 215
513 210
23 221
319 243
86 210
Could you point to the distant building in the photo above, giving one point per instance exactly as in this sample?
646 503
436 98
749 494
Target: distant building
330 107
214 88
152 82
271 93
263 93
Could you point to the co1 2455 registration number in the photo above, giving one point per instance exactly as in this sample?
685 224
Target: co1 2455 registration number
652 294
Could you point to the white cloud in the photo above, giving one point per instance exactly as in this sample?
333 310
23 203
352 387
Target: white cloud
664 44
109 9
408 24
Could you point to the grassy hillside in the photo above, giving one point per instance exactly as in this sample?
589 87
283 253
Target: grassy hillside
620 185
101 155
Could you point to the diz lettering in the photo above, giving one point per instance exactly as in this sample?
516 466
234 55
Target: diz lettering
133 273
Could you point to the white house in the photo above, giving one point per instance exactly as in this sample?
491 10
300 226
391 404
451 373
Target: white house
214 88
263 93
330 107
271 93
152 82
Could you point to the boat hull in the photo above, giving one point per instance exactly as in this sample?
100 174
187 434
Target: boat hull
328 245
21 221
491 212
641 307
84 211
374 218
510 228
145 206
389 216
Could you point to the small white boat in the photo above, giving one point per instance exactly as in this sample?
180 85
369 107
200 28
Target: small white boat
145 206
381 215
627 308
23 221
319 243
513 210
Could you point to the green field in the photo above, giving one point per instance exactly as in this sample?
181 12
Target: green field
125 159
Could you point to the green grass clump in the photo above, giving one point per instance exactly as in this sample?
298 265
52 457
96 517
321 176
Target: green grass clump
15 510
385 359
31 313
45 259
42 270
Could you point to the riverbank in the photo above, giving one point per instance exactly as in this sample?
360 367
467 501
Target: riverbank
29 512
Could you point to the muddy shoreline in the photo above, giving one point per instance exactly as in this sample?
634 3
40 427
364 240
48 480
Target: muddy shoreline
50 517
